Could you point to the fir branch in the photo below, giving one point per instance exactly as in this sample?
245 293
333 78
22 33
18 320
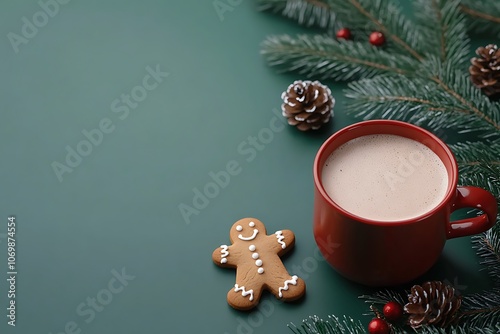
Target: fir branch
479 164
481 309
413 100
486 176
443 29
483 176
328 58
464 329
487 246
480 15
305 12
382 297
384 16
477 153
484 16
460 89
334 325
439 98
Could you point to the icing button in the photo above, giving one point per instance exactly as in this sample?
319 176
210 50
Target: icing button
252 248
255 256
258 263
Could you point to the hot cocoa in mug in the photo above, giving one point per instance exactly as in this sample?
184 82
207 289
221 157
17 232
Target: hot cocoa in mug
384 192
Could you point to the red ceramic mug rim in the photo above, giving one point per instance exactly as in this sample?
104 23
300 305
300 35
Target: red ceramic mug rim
452 171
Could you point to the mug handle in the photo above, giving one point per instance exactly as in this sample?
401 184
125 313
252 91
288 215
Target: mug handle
473 197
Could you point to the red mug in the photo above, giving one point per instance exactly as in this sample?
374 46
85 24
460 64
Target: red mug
378 253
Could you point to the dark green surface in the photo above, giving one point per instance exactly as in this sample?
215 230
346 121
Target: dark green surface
119 207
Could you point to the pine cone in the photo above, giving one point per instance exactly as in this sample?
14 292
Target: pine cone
485 69
307 105
432 303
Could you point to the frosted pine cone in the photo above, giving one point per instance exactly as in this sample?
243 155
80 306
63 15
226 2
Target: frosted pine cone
307 105
485 69
432 303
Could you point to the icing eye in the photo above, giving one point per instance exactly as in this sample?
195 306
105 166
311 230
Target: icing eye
251 224
239 228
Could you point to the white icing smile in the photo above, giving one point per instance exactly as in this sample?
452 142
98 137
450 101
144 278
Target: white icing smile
255 231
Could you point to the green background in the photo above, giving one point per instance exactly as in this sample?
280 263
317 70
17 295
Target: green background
119 208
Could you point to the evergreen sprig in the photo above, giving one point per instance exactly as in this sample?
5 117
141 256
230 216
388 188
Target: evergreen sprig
384 16
306 12
442 28
334 325
346 325
326 58
437 98
414 100
487 246
479 164
484 15
464 329
382 297
481 309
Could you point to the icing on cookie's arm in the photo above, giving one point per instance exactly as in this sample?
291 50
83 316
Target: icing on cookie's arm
280 237
225 255
282 240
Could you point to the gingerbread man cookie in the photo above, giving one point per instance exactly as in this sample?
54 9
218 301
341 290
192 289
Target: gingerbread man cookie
256 257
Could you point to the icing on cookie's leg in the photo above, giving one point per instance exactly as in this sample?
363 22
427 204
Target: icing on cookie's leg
285 287
244 292
288 288
244 297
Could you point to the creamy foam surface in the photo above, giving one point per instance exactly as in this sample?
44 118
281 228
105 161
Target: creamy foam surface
385 177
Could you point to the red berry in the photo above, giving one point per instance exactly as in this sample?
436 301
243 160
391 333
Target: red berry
393 311
344 33
377 38
378 326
